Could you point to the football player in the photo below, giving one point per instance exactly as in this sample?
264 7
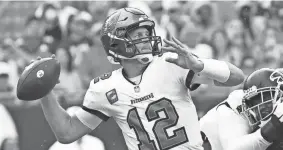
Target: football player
148 96
251 118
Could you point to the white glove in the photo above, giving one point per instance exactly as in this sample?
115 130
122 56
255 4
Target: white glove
279 112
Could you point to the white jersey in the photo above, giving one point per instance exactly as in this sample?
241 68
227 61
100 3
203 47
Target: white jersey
225 128
157 114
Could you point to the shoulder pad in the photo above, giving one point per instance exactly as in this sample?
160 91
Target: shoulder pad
234 100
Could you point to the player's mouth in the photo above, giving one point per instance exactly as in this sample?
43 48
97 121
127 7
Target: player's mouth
146 49
145 59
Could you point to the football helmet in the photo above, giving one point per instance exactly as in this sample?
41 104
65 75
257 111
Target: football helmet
115 36
263 91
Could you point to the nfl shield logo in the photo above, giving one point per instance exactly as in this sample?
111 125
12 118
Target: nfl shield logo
112 96
137 89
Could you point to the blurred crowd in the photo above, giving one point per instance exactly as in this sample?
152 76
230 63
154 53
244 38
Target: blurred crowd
245 33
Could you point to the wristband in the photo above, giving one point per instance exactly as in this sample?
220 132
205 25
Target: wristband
215 69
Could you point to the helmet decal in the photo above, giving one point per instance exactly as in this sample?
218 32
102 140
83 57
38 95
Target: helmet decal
277 76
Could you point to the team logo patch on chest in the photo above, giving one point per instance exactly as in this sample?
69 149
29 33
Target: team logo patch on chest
112 96
137 100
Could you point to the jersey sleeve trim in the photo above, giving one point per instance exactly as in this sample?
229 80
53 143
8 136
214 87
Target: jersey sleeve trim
189 79
238 109
203 136
97 113
226 104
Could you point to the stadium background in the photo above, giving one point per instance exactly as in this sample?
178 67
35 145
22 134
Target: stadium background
34 132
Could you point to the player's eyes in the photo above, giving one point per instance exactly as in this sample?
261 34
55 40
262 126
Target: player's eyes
141 35
255 100
267 96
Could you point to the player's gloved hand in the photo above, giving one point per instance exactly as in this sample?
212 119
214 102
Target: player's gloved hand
273 129
39 58
184 56
31 62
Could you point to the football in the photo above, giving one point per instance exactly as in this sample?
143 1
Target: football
38 79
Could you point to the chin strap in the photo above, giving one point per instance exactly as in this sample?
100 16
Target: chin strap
144 58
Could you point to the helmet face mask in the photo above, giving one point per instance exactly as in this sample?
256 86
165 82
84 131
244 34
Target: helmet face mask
131 44
115 35
258 104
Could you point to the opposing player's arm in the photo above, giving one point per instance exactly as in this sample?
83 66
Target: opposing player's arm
219 73
235 133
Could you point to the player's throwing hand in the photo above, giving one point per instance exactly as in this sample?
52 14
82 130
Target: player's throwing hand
185 58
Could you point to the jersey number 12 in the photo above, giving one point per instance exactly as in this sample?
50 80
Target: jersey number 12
164 141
